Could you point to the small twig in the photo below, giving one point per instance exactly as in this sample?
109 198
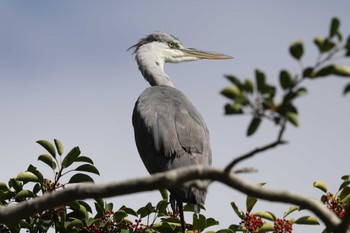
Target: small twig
252 153
282 130
245 170
330 55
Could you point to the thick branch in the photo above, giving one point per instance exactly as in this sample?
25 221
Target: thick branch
13 213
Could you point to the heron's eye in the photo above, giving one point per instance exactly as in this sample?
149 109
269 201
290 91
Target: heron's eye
171 44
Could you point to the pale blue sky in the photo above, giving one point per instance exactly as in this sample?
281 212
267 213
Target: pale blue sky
65 73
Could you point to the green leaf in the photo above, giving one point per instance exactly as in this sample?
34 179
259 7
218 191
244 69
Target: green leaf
109 206
231 92
286 79
301 91
88 168
86 205
59 146
293 118
260 81
3 187
253 126
75 224
27 177
297 50
233 109
36 172
345 177
339 70
6 195
211 222
192 207
146 210
16 184
125 231
307 220
168 227
71 157
325 71
347 44
84 159
240 214
248 85
266 227
48 146
235 81
320 185
199 222
318 40
327 45
79 178
290 210
161 207
78 211
231 229
36 188
344 195
119 215
342 70
48 160
265 215
129 211
171 220
250 202
24 224
346 89
164 193
24 194
334 27
344 184
308 72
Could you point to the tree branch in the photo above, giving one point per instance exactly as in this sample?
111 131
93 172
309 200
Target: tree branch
252 153
279 141
15 212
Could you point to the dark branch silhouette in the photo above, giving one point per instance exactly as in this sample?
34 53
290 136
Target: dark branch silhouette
15 212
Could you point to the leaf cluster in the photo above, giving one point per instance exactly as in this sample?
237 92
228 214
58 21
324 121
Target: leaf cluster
336 202
269 219
257 97
31 183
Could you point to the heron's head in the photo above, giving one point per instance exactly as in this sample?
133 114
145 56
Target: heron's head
169 48
152 51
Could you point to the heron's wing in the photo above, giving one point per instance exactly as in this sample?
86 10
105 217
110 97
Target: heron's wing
192 133
169 131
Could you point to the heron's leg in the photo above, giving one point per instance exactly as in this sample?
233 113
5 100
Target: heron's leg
173 204
182 217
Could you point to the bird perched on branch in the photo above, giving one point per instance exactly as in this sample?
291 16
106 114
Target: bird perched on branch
169 131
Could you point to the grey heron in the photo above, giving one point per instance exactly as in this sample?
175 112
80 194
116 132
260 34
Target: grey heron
169 131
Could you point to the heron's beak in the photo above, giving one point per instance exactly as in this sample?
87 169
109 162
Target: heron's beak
191 52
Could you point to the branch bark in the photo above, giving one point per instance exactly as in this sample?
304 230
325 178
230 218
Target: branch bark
16 212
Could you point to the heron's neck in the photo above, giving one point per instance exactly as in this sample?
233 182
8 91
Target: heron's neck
152 68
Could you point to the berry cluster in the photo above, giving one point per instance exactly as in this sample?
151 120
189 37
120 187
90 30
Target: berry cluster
50 186
137 226
174 215
252 223
105 224
282 226
334 203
